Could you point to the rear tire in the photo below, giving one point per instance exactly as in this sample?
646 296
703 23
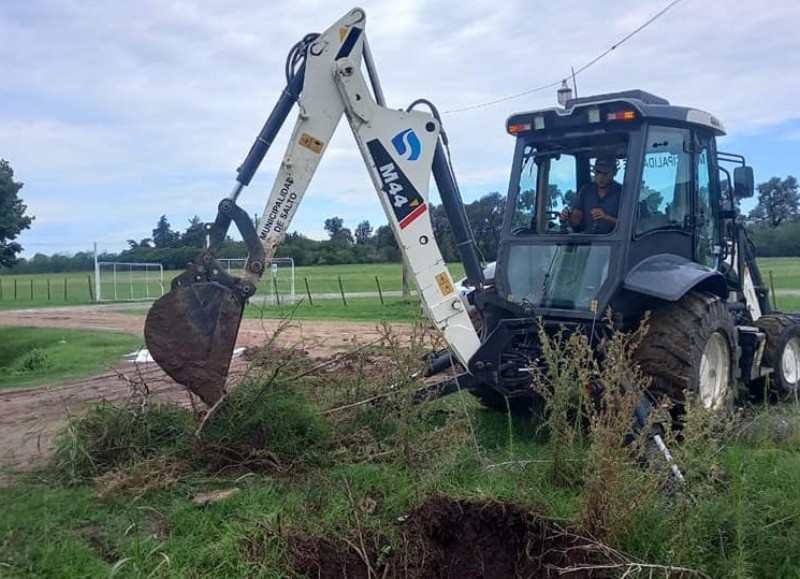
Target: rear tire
691 346
782 353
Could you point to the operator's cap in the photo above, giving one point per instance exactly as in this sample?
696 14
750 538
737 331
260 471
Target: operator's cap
605 165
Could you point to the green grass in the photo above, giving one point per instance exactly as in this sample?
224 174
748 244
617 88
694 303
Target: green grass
36 356
354 310
48 290
785 271
787 303
117 497
43 290
367 466
747 525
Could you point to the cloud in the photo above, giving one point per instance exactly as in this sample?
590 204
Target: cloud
115 113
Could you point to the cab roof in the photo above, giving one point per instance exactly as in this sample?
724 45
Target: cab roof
611 107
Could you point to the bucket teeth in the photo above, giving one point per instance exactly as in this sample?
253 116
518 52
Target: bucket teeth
191 333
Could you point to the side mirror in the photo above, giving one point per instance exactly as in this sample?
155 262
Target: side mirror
743 182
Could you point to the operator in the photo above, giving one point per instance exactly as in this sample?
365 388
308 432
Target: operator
596 205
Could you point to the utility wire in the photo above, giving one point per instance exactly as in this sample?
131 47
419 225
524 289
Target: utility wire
586 66
629 36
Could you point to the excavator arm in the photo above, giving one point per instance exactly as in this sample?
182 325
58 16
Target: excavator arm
191 331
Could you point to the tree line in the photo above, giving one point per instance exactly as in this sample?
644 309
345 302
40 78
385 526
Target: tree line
774 226
362 244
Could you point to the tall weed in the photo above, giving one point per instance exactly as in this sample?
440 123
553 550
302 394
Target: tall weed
561 377
108 436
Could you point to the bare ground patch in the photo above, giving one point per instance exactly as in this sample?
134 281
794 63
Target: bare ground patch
444 537
29 418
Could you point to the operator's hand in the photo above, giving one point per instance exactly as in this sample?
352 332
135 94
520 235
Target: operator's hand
598 214
565 214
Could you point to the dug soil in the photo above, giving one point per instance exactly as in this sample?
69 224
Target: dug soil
444 537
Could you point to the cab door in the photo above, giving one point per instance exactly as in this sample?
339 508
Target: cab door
665 204
707 202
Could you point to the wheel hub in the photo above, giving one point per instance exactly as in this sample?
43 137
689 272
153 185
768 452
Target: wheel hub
790 362
715 369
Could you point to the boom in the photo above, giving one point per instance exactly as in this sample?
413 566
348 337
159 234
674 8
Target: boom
191 331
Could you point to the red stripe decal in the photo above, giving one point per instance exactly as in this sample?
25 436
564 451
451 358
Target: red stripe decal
412 216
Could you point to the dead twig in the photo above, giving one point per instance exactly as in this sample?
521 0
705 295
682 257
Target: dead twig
337 358
360 549
631 568
208 414
357 404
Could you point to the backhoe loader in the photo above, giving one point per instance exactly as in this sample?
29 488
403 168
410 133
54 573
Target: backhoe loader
675 249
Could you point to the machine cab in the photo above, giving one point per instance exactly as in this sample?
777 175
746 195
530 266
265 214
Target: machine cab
666 189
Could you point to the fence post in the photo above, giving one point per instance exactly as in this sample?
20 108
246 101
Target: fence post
15 289
1 288
308 292
31 289
48 289
341 290
89 281
275 288
380 294
65 289
772 287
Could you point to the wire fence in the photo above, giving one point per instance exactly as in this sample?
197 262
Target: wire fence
42 290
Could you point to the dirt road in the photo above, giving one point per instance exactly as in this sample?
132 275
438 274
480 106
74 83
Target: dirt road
30 417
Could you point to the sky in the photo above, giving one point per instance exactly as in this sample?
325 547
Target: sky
115 113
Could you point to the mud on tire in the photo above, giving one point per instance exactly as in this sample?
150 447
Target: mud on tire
691 346
782 353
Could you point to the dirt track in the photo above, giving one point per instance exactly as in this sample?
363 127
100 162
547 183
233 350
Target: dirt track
30 417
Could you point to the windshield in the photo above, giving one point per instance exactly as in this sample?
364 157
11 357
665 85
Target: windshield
555 179
564 275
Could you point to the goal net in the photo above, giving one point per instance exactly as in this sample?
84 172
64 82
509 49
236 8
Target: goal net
119 281
277 283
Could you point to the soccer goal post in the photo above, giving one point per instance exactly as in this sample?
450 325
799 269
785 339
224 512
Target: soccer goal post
277 283
120 281
278 280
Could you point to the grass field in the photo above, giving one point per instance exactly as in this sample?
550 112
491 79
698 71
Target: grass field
43 290
392 309
36 356
784 271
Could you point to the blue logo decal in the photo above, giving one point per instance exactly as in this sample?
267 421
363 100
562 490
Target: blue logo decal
406 143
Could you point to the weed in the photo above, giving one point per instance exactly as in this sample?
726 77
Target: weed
34 361
264 422
361 456
107 437
147 559
616 486
566 366
140 477
699 446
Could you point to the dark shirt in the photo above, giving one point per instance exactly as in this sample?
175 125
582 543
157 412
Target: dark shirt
588 199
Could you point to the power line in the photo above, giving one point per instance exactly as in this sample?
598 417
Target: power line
507 98
629 36
585 67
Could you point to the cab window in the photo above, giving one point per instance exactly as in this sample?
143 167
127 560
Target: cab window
665 194
549 183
